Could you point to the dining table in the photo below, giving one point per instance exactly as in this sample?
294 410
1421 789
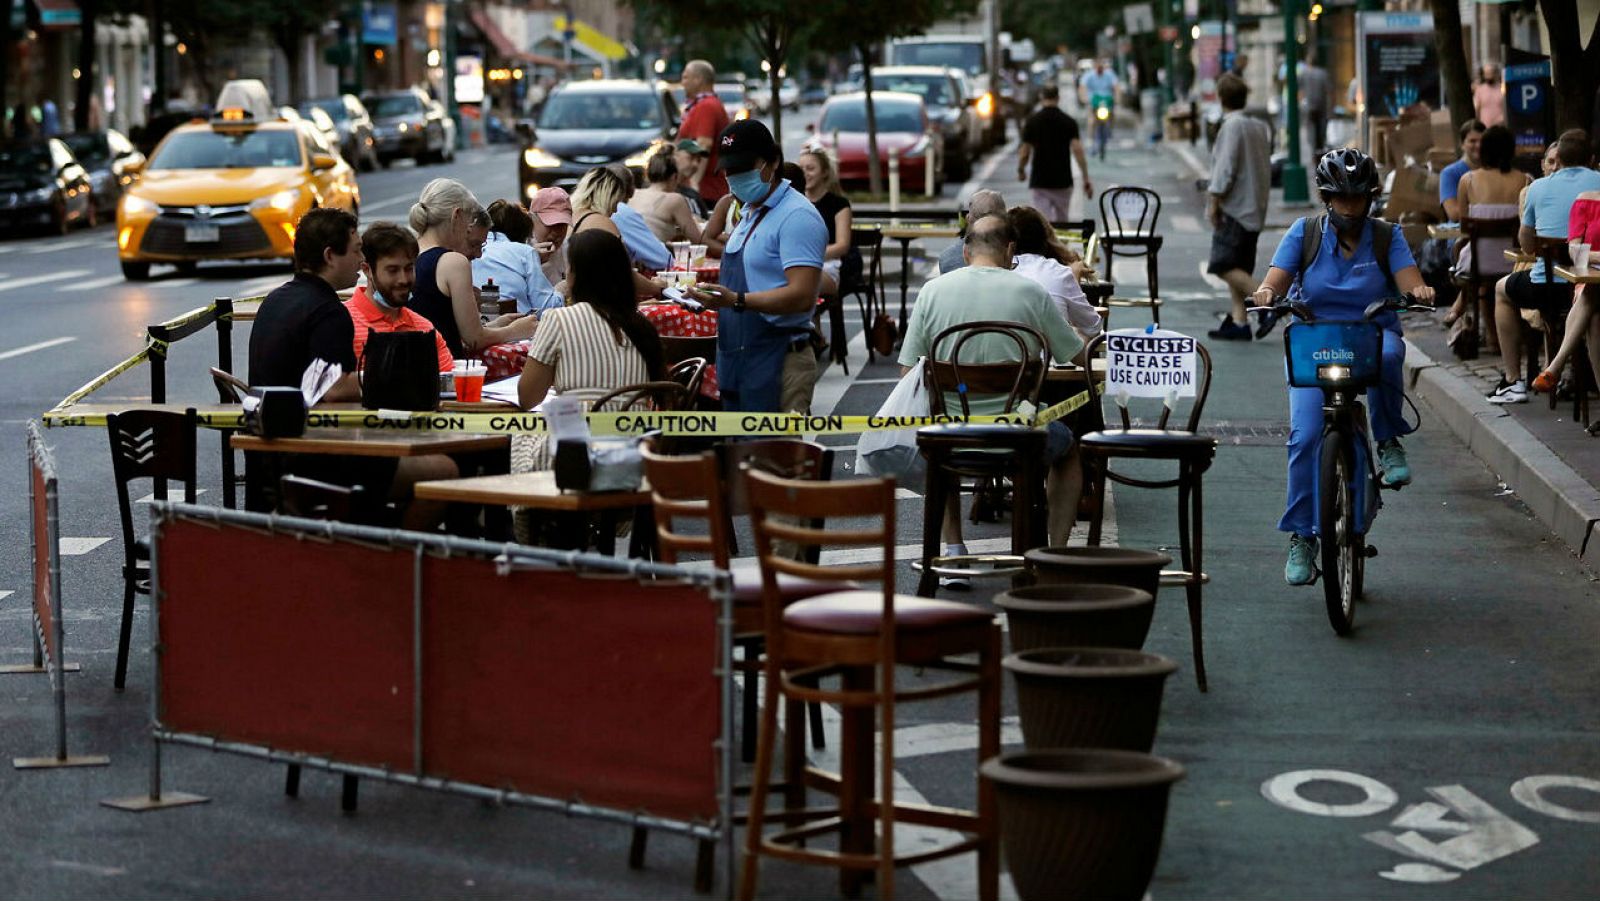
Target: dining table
538 491
1579 276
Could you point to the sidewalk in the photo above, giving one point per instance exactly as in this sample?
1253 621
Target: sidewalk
1546 459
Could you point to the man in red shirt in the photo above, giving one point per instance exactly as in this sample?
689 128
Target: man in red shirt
703 119
389 260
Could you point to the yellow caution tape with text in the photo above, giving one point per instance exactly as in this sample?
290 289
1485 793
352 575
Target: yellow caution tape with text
717 424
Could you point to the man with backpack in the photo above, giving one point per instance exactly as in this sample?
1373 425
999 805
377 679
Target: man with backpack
1338 264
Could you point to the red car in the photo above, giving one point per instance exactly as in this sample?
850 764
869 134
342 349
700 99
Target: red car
903 127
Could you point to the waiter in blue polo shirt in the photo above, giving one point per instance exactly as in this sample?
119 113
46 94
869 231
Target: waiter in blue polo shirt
768 289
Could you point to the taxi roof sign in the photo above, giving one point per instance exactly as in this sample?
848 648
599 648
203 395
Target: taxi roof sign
244 100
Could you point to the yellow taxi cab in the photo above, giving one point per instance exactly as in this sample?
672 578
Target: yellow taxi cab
229 189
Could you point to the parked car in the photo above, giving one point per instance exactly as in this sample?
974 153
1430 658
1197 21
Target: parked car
592 123
813 93
761 95
448 152
903 128
229 189
111 161
735 99
943 93
354 126
145 137
408 123
42 184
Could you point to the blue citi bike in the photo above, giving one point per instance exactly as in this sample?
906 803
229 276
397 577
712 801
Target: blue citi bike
1344 358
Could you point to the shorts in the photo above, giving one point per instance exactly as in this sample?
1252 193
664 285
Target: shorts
1531 295
799 377
1232 247
1058 441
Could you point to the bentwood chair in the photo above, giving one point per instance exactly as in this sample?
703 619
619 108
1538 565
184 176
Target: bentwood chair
1486 265
1178 443
688 372
862 636
230 390
159 446
986 454
1129 214
867 286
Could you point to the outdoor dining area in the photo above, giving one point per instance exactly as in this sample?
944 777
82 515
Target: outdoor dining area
757 584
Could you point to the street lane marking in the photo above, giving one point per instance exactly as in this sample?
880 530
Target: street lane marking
73 244
1186 222
171 496
175 283
1283 790
63 275
6 594
1528 794
380 204
1482 835
944 738
77 547
91 285
17 352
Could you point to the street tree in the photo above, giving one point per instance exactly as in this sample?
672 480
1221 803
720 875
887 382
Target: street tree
1452 50
1574 63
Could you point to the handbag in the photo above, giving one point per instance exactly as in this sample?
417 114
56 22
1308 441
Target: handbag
883 334
400 371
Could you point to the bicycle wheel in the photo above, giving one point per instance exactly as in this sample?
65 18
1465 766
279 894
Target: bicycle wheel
1339 543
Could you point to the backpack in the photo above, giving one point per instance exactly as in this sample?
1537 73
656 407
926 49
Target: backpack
1311 245
400 371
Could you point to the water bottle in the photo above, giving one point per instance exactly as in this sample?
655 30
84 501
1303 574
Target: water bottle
489 300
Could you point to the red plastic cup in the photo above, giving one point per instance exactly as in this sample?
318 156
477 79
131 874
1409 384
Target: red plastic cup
469 382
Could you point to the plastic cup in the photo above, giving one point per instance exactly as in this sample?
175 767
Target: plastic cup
469 381
1580 256
680 254
697 256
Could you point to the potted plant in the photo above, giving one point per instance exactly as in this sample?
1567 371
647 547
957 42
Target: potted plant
1105 565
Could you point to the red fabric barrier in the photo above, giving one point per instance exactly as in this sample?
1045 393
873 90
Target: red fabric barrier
591 688
42 611
572 686
294 644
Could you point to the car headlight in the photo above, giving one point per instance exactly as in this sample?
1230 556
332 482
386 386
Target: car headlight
537 158
284 201
403 127
39 195
133 205
641 159
986 105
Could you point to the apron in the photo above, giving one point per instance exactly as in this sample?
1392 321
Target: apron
750 349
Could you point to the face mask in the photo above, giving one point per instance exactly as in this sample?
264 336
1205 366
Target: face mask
383 303
748 186
1343 223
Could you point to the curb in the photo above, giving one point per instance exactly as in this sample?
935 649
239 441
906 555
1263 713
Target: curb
1554 491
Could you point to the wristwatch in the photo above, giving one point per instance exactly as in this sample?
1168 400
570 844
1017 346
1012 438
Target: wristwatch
738 303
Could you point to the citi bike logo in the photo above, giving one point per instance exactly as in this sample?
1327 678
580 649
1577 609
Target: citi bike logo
1334 355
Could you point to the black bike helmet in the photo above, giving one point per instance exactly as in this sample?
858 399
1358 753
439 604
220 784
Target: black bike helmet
1347 171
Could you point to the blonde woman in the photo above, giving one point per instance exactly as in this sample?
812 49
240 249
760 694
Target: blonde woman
594 202
822 189
446 218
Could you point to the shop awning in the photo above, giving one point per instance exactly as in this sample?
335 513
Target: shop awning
503 45
599 44
58 14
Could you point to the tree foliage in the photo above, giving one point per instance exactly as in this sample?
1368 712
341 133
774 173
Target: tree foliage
208 26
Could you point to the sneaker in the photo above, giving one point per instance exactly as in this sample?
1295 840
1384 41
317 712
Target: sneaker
1392 463
955 583
1266 321
1231 331
1545 382
1302 566
1510 393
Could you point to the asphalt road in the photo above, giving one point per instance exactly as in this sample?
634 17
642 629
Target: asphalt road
1470 671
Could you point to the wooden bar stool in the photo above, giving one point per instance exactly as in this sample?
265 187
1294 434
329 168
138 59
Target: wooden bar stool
862 636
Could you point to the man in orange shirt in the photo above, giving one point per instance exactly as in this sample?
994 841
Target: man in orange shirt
389 259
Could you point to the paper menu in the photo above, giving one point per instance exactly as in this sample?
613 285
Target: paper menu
565 416
505 389
319 377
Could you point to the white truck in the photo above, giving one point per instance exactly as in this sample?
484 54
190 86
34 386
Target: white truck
973 44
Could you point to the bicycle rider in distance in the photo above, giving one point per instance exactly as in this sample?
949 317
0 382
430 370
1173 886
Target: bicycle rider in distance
1344 276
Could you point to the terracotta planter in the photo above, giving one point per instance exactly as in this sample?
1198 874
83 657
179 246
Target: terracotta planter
1077 615
1089 697
1102 565
1081 823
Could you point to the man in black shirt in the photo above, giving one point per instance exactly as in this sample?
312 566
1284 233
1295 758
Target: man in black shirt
1050 138
304 320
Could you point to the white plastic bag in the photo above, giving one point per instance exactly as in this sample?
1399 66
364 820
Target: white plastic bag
894 453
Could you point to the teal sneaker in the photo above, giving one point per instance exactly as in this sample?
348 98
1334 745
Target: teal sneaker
1302 566
1392 463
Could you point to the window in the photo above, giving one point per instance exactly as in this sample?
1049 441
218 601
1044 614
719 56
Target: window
964 55
932 88
571 110
852 117
277 148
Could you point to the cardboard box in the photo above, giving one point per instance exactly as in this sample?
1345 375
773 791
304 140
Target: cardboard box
1438 159
1413 189
1445 136
1377 137
1411 141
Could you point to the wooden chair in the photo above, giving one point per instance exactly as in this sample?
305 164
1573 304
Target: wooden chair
1552 328
867 288
688 372
230 390
676 349
663 395
159 446
1129 214
1485 268
957 452
1182 444
862 636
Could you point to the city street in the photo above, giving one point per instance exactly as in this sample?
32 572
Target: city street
1470 671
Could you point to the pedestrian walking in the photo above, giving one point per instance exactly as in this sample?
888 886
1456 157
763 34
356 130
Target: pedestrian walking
1241 176
1488 97
1051 140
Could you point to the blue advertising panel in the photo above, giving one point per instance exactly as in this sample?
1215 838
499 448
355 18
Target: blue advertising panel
379 24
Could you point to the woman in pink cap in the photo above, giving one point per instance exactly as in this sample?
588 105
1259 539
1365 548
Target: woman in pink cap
552 217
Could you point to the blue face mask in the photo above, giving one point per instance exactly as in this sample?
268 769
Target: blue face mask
384 303
748 186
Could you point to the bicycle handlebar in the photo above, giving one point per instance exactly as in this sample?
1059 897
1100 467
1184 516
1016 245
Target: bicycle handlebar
1404 303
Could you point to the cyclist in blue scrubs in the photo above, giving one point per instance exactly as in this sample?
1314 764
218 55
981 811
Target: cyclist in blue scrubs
1344 276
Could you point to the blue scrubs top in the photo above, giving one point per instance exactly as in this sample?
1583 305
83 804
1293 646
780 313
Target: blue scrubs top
1341 288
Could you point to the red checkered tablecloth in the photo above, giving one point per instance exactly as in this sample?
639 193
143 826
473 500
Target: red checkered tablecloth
506 360
673 321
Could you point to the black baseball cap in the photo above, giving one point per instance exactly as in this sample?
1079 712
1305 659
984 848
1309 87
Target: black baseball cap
744 145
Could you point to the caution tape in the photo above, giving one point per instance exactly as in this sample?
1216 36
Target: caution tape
609 424
100 381
184 319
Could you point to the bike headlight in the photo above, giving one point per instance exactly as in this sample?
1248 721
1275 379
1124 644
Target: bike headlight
1102 113
133 205
537 158
283 201
1333 372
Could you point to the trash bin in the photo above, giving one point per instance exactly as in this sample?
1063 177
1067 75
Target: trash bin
1150 113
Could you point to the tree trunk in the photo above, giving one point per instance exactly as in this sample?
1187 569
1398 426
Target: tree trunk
87 83
1452 60
7 45
774 82
1574 69
874 172
158 47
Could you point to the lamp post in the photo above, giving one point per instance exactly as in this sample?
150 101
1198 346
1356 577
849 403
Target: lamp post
1294 170
451 11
